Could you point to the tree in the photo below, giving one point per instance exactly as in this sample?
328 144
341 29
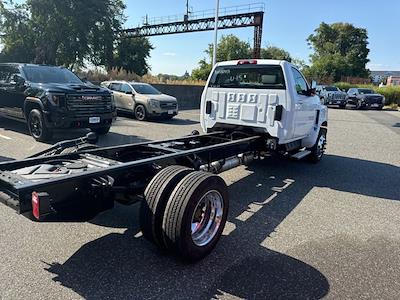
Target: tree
273 52
131 55
203 71
70 33
230 47
340 49
16 35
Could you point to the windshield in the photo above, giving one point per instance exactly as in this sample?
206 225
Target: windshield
248 76
145 89
331 89
365 91
46 74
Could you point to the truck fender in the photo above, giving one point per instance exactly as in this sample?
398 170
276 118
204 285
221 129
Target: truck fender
31 102
321 121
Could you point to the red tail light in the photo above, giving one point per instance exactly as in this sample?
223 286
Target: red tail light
247 62
35 205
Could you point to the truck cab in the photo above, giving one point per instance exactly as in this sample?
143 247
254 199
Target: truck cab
269 97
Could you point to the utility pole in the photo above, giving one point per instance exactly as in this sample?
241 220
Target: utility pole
216 33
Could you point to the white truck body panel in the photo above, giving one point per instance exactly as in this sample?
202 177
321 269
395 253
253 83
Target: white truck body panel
257 107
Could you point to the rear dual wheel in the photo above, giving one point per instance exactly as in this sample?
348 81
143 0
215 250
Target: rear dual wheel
185 212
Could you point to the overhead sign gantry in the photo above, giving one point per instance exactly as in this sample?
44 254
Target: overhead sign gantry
250 15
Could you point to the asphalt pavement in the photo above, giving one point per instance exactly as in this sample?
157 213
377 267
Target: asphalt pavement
295 230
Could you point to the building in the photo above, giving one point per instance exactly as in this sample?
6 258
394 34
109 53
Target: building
393 80
380 76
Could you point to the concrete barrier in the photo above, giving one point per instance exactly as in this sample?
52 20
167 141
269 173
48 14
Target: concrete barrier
189 96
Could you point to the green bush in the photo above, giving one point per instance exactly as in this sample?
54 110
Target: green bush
391 93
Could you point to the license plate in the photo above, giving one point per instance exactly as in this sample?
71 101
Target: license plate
94 120
170 112
375 105
338 102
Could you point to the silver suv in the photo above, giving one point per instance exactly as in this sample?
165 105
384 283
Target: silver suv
142 99
331 95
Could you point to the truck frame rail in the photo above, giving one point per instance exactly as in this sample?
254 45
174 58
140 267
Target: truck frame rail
99 176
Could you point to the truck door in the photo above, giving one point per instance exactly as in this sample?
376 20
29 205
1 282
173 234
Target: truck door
126 97
15 93
305 107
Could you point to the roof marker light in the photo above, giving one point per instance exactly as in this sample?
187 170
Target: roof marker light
247 62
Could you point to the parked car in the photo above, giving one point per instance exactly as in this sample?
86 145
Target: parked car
142 99
365 98
49 98
331 95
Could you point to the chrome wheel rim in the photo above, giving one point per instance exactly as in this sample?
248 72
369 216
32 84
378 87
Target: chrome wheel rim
321 145
207 218
140 113
36 126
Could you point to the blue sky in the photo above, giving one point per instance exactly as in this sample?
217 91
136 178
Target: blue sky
287 24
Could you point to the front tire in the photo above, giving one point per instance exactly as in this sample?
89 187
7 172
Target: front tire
195 215
318 150
37 126
140 112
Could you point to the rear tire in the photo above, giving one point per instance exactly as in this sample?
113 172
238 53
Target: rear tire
155 200
195 215
37 126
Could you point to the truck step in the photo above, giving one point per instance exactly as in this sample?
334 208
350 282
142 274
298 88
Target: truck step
301 154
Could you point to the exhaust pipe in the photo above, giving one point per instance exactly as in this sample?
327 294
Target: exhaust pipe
223 165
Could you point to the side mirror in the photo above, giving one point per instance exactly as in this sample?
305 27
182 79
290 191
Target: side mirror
84 79
312 90
313 85
18 80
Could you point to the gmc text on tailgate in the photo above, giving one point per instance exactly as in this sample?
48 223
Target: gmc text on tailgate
49 98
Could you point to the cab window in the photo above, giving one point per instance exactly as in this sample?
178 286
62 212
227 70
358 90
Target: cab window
300 83
248 76
125 88
115 87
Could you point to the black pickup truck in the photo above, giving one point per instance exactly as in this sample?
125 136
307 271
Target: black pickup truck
49 98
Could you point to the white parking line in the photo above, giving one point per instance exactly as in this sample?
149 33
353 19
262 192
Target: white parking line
5 137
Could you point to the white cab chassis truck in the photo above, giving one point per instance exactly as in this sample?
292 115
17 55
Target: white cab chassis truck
249 108
267 97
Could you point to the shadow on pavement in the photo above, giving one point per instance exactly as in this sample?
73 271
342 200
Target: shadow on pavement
3 158
176 121
69 134
127 266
